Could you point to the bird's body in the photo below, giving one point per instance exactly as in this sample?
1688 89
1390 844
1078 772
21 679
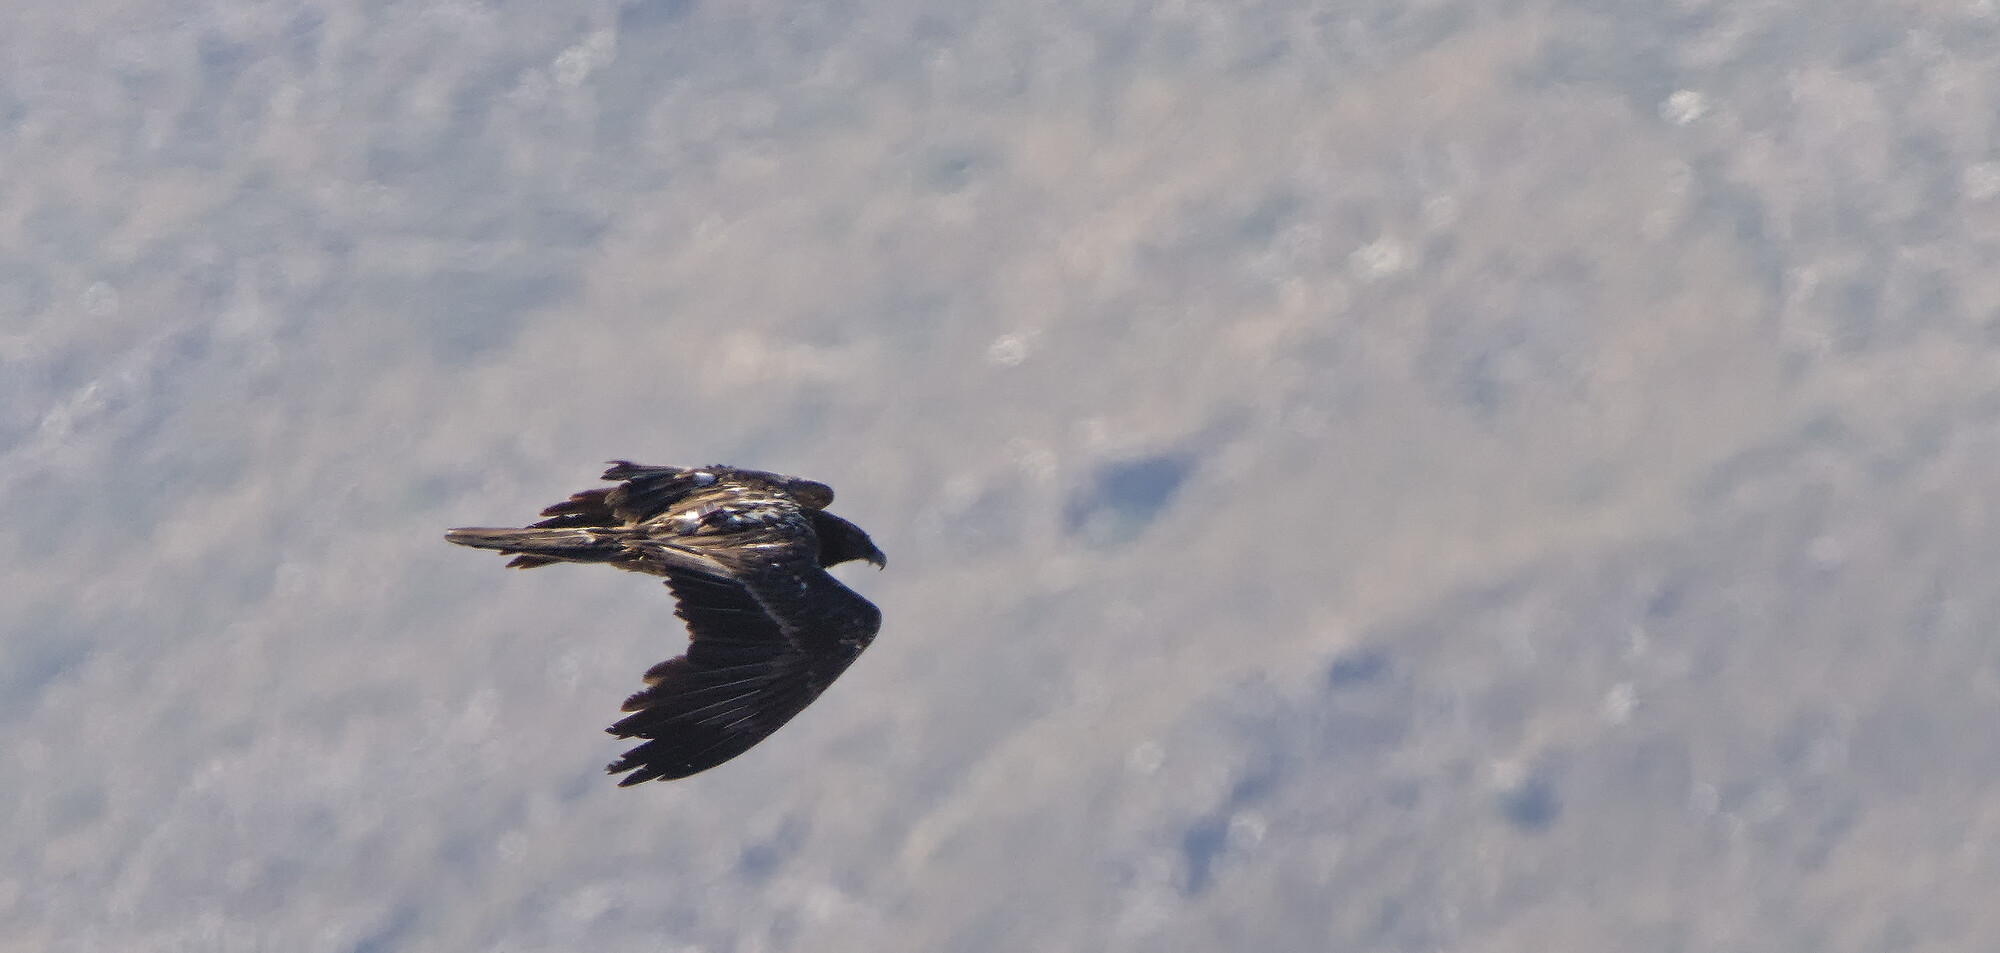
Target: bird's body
745 554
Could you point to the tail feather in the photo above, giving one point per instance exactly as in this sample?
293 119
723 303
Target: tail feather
539 547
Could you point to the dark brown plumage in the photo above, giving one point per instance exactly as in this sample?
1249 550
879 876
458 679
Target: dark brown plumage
745 554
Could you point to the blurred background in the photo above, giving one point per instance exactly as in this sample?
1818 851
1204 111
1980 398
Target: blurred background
1399 475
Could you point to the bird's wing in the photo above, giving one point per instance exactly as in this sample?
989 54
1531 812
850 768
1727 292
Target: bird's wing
645 491
769 631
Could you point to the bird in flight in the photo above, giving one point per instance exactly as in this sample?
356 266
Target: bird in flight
745 554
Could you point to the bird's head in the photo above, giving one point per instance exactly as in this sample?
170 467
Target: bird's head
841 541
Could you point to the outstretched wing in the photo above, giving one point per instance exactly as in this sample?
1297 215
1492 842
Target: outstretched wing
769 633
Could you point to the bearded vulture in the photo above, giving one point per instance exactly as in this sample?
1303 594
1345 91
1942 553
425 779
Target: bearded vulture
745 554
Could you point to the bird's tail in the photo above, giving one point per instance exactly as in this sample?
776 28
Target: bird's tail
539 547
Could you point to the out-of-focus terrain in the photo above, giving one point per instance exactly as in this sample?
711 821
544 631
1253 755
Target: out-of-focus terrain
1359 476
